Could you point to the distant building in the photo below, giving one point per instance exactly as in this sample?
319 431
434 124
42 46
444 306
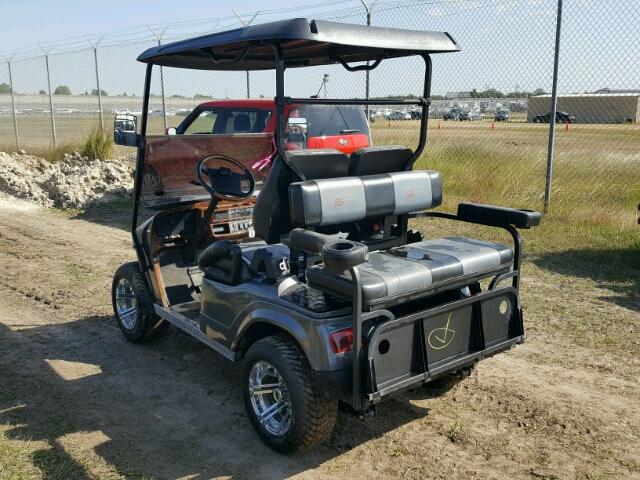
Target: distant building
602 106
458 95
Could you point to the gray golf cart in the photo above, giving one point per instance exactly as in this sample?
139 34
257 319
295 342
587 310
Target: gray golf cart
316 282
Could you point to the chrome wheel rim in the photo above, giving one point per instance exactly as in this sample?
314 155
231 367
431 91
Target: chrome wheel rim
126 304
270 398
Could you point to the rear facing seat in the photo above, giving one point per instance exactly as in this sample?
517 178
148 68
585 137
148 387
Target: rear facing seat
412 270
417 269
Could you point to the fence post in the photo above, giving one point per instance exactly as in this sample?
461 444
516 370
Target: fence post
164 108
368 10
245 24
53 117
552 116
13 107
95 59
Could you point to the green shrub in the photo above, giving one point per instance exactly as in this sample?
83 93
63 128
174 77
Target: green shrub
99 144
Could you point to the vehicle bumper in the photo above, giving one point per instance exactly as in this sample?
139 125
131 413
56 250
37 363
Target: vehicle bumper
425 345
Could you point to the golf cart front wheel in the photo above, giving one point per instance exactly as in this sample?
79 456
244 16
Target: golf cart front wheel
133 305
281 400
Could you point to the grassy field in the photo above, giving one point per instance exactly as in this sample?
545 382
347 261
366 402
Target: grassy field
596 182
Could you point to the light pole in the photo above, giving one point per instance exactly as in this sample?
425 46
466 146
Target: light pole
323 85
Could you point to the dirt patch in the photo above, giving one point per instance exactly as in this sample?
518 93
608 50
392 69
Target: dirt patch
77 401
73 182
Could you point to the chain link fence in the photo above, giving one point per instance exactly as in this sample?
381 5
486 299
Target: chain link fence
491 108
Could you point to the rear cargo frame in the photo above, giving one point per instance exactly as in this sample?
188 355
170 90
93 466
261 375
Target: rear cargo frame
362 370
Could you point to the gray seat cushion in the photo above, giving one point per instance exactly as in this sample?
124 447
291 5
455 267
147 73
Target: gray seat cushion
417 269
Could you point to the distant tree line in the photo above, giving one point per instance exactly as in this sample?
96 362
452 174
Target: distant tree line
488 93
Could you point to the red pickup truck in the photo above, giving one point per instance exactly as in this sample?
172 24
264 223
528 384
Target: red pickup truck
342 127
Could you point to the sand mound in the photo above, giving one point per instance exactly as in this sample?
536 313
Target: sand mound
73 182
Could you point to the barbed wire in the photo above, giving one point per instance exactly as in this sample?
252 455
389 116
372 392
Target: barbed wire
188 28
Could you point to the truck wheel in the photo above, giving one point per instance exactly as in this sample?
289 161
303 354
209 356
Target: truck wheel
284 405
133 305
152 185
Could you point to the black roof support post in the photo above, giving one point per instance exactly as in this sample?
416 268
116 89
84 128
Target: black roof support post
281 101
137 185
426 103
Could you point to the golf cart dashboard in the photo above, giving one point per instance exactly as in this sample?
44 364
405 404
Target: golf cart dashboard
233 221
180 225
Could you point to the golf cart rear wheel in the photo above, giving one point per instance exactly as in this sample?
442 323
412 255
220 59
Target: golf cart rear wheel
133 305
281 400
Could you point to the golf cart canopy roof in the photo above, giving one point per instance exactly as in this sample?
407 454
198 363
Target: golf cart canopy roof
303 43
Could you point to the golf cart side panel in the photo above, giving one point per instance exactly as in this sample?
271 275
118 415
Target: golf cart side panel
228 313
170 161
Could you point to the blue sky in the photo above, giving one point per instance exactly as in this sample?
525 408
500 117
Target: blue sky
29 22
507 44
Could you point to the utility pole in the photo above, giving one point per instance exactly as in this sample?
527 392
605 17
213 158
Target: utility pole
13 104
95 58
552 117
164 108
246 24
368 8
53 117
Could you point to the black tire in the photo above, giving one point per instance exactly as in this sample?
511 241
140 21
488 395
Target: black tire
145 325
313 416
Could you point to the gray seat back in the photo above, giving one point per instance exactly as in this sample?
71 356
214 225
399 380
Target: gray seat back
336 201
381 159
271 218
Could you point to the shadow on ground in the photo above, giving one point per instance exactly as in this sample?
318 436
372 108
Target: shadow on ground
167 409
113 213
617 270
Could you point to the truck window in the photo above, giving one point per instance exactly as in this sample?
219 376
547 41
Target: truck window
202 124
330 120
224 121
242 121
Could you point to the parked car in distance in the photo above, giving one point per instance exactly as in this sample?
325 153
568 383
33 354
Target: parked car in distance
452 114
416 114
561 117
470 115
501 116
398 115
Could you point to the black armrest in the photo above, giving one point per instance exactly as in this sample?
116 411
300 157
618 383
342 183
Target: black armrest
308 241
488 214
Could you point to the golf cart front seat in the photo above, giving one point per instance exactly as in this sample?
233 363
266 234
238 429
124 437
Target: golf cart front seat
394 274
225 261
380 159
271 217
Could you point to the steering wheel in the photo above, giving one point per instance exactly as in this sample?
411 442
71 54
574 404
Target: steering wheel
225 178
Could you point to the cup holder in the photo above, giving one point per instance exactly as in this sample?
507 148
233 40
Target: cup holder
344 254
341 246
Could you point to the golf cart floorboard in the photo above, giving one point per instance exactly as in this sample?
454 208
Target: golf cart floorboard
188 320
